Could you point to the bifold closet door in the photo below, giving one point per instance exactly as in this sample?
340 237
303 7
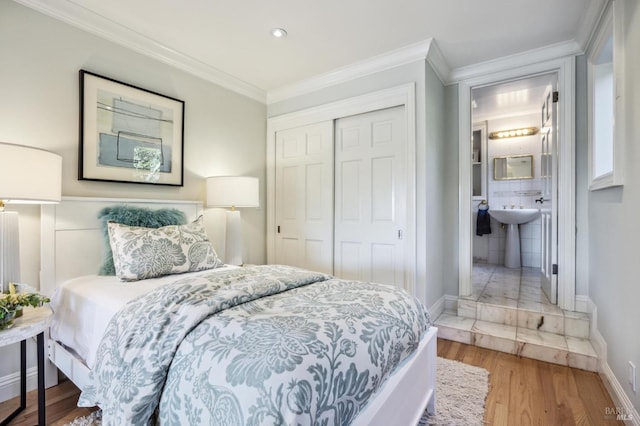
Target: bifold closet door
304 197
370 197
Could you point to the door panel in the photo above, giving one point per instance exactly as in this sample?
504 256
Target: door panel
370 197
382 201
349 206
549 213
304 200
384 257
351 250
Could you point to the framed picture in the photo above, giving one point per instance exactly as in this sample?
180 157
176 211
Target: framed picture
128 134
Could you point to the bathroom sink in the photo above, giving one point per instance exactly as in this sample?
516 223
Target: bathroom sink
514 216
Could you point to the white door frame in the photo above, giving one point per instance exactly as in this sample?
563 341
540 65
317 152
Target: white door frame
395 96
565 68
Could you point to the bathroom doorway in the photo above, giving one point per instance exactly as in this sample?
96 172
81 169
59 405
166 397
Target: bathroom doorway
511 89
513 168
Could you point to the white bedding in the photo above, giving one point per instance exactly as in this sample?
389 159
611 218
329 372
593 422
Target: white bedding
82 308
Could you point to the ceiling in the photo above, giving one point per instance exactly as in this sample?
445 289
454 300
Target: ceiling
510 99
232 37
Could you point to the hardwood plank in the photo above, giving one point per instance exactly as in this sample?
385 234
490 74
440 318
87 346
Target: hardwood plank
524 391
569 407
521 391
498 402
61 408
592 391
548 390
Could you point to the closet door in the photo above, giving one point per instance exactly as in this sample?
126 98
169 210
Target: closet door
304 197
370 197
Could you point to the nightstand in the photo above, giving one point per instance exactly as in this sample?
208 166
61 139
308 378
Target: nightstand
33 323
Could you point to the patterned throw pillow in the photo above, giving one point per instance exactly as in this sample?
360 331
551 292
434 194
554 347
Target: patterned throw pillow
140 253
133 216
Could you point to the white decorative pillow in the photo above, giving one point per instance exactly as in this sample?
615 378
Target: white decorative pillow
140 253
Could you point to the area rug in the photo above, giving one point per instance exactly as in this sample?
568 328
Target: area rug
461 390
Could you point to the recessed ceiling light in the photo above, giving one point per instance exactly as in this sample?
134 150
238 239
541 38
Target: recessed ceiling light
279 33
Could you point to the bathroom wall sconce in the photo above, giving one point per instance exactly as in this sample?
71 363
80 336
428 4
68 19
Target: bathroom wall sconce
514 133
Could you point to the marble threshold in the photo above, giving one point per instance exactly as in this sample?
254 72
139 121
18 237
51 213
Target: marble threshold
508 312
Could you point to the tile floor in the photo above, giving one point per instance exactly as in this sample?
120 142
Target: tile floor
508 311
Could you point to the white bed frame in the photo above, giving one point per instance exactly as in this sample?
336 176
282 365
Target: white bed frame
72 245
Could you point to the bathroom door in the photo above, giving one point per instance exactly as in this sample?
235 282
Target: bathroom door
549 210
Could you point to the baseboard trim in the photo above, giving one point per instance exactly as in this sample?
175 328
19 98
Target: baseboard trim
450 303
582 303
437 308
10 384
624 409
446 302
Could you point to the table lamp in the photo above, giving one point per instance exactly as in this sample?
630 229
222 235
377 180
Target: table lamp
233 192
27 176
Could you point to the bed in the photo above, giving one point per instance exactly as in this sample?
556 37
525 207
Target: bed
194 378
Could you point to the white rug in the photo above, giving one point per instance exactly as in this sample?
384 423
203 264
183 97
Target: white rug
461 390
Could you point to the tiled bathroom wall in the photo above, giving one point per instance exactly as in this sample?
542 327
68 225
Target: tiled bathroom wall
517 193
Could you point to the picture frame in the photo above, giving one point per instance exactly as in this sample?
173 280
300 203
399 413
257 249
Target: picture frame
129 134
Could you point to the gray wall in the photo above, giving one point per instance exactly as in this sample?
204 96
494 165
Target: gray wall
614 230
223 133
410 73
452 191
434 208
39 96
430 164
582 186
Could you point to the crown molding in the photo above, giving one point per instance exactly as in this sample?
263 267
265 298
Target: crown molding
385 61
438 62
589 23
77 16
529 57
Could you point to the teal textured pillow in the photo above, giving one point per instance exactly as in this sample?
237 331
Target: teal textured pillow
141 253
133 216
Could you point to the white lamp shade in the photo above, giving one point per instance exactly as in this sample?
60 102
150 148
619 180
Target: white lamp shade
233 191
29 175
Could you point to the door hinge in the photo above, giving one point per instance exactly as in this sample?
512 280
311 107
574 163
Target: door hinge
278 229
556 95
554 269
400 234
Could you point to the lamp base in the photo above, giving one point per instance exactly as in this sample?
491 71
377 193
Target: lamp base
233 239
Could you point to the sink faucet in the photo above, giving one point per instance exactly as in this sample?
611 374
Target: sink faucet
540 200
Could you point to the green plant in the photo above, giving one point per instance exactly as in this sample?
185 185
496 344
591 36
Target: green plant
12 302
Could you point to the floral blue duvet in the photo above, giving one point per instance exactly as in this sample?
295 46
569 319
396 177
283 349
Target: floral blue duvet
259 345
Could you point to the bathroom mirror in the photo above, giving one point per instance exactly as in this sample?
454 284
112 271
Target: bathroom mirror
513 167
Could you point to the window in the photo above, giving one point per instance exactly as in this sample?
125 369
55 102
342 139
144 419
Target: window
604 62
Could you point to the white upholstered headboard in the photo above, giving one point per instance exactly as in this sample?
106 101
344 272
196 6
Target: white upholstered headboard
71 241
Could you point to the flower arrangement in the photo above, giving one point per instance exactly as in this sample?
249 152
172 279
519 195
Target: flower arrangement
11 303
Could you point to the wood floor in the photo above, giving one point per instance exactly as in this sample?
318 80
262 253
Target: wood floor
522 392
